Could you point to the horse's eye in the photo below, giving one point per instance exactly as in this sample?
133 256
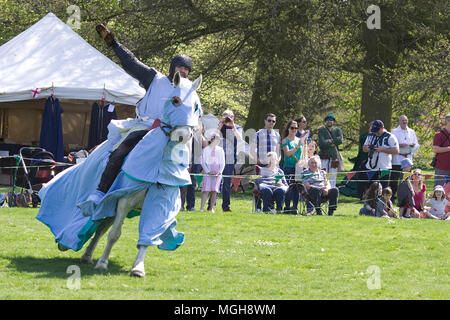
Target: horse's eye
196 107
176 101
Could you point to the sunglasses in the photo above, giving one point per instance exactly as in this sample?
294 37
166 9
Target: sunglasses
293 128
270 120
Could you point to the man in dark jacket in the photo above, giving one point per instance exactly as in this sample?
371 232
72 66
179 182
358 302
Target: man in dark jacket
180 63
330 137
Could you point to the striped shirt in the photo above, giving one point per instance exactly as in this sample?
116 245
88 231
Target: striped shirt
266 142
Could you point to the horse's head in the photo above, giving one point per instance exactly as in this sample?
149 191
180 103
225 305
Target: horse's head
182 109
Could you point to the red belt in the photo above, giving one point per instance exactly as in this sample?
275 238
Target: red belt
156 124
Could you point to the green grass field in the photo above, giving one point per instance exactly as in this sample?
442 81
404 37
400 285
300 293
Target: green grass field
239 255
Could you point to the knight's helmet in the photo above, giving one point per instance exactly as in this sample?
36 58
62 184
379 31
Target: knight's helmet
180 60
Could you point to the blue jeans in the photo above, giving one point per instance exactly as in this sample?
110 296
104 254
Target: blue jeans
226 185
366 212
190 192
293 193
270 192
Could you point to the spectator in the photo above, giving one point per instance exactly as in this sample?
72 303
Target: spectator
213 163
408 146
316 186
272 186
266 140
198 143
231 134
385 208
381 145
291 150
302 133
419 189
441 146
370 199
437 205
330 138
312 149
405 191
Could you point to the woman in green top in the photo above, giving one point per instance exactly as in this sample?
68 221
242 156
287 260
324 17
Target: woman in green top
291 151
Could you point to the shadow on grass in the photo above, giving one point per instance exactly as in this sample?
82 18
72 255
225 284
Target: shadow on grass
57 267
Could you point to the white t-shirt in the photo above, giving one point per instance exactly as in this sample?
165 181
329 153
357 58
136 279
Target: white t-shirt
409 137
381 160
437 207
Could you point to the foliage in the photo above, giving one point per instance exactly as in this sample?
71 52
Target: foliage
289 57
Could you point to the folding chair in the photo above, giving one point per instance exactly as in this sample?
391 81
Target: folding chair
307 198
257 195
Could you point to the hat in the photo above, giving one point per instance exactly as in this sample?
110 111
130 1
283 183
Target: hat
447 117
406 163
376 126
438 188
330 116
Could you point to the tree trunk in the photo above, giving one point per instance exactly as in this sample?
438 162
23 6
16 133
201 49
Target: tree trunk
268 94
381 54
376 100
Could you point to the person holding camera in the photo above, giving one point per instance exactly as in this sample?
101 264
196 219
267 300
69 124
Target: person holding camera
330 137
381 145
231 134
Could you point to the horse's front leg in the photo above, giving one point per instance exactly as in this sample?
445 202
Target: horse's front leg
101 230
114 234
138 269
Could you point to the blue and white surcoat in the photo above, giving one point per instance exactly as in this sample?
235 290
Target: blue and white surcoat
158 159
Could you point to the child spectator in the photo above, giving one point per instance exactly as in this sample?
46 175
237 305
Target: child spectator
437 205
405 191
370 199
213 163
384 208
312 149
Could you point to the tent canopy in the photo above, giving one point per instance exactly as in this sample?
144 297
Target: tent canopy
52 57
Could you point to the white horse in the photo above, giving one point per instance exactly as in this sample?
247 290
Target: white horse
123 207
180 134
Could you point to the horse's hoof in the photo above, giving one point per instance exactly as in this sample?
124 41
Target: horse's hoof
101 265
62 248
138 270
137 273
86 260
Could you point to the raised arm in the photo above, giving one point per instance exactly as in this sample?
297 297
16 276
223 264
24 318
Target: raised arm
133 66
129 62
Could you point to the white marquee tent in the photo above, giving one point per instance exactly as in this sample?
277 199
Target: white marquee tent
49 57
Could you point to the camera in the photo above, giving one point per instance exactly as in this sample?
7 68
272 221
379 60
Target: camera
227 120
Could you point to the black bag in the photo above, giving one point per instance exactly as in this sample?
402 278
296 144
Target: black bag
433 162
